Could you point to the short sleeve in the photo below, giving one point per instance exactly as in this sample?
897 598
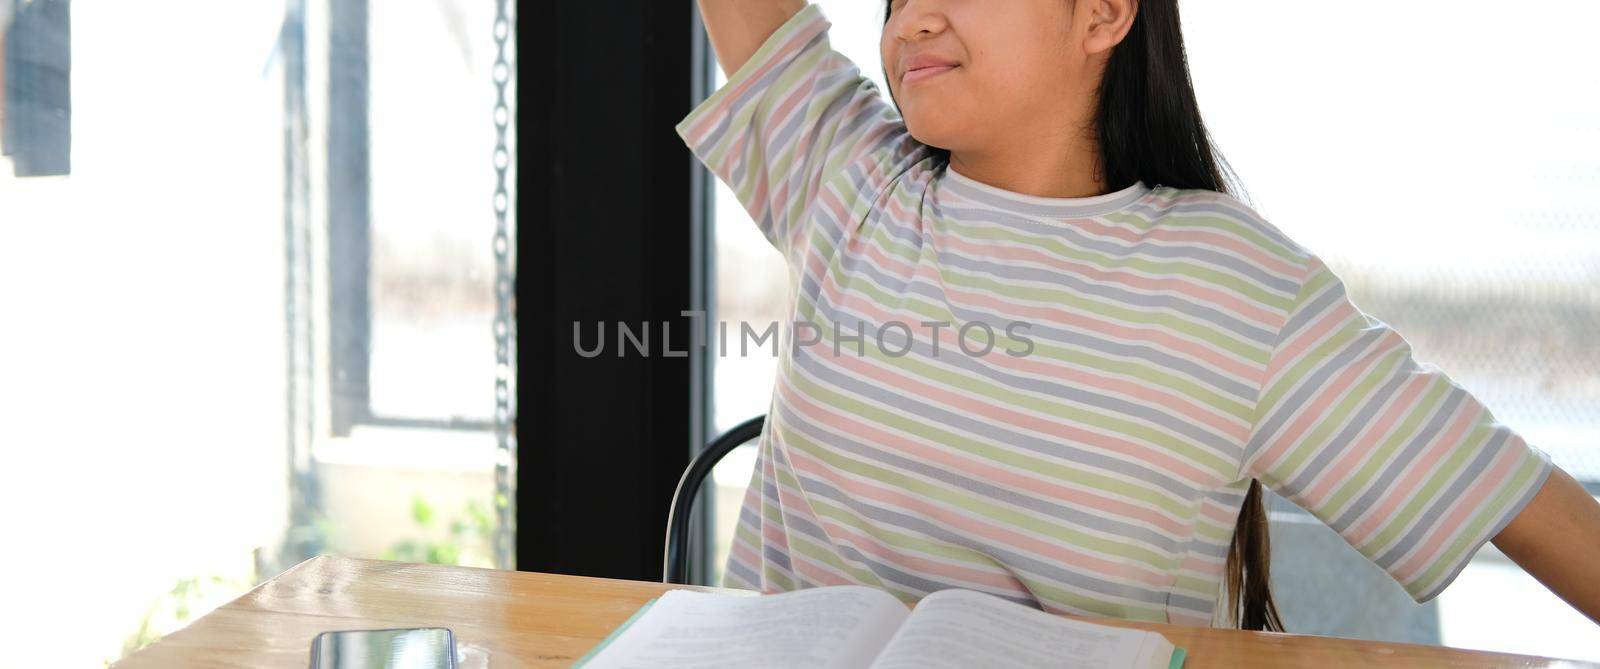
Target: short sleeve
794 115
1391 453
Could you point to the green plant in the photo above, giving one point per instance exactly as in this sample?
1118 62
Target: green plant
178 606
469 537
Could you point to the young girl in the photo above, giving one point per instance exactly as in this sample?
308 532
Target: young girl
1039 351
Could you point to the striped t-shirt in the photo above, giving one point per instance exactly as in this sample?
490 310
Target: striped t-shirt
1062 401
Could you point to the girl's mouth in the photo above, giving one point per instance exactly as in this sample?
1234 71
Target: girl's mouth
927 72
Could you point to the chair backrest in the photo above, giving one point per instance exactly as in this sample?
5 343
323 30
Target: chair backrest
675 566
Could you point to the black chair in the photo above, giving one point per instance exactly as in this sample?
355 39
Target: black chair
676 564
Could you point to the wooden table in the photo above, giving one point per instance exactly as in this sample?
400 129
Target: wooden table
522 619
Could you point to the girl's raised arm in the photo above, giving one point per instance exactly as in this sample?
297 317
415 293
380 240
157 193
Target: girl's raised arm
797 133
739 27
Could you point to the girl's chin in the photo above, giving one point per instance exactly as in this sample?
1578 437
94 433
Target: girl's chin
933 134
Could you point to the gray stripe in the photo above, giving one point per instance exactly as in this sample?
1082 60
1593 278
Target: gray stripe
1047 570
750 515
1307 311
1122 296
806 168
1382 484
758 92
887 572
1506 514
1163 361
1061 336
1192 603
734 568
1442 502
822 219
918 584
1223 446
1312 384
1360 420
772 554
999 435
1197 544
768 222
1112 525
1075 237
1242 214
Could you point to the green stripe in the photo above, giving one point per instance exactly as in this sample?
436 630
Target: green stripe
1334 418
1489 512
1139 491
1138 369
1055 246
1437 478
1249 233
996 513
974 386
1381 458
903 540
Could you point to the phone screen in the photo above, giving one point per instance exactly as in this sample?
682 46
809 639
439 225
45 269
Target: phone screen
421 648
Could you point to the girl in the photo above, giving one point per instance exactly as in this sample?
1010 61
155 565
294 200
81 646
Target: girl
1039 351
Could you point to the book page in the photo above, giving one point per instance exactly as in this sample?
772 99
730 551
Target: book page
962 628
834 626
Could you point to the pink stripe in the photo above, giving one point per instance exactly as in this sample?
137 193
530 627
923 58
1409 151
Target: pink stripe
803 33
1343 467
1201 237
1200 564
759 199
1150 455
1181 236
1311 418
746 555
958 520
1450 526
1425 465
819 573
1219 360
950 340
978 468
801 143
1199 293
1060 552
892 556
1290 355
774 535
1218 513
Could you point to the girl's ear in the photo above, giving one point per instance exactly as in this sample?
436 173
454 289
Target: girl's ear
1106 23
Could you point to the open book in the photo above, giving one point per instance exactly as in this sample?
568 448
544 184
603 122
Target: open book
859 626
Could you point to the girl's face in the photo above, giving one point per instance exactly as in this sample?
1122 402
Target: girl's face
1002 71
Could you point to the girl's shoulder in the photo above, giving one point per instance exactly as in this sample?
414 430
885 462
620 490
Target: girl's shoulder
1226 221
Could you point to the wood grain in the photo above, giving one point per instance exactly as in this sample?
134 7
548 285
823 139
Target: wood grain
522 619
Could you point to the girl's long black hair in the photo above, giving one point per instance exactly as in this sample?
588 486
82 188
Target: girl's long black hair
1149 128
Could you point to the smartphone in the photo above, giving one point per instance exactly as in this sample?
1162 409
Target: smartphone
419 648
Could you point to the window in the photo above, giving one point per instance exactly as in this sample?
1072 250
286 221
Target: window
1454 189
212 216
